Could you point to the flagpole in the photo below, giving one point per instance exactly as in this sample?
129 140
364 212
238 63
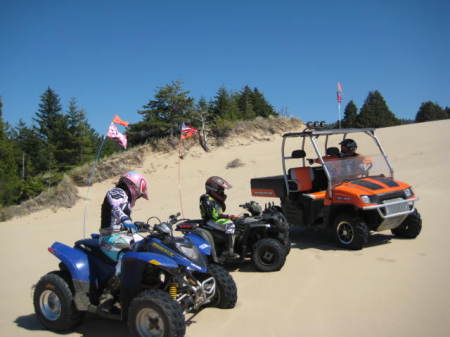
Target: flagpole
92 173
339 114
179 175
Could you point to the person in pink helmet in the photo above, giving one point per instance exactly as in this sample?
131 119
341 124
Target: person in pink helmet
116 231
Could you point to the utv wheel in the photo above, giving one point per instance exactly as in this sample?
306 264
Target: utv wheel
269 255
226 291
53 303
350 231
410 227
153 313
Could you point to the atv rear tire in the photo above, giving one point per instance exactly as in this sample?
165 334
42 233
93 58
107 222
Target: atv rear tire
269 255
155 313
226 291
410 227
53 302
350 231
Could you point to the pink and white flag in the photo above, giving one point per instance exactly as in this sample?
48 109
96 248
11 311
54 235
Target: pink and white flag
113 133
339 92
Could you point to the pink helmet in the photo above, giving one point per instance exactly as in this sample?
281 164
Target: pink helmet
137 185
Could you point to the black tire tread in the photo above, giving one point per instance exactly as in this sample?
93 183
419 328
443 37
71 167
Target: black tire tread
70 316
277 246
165 303
360 228
226 286
410 228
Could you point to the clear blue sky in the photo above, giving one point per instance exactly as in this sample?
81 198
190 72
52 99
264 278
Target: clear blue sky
112 55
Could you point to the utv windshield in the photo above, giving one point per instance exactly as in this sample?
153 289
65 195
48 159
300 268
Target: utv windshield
346 169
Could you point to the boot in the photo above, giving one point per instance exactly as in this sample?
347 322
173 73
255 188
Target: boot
229 253
106 299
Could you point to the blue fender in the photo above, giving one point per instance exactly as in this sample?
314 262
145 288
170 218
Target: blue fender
202 244
153 258
74 259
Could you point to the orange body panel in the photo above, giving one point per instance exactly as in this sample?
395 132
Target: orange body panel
303 176
351 193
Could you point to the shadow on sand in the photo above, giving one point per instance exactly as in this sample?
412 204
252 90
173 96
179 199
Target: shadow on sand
305 238
91 326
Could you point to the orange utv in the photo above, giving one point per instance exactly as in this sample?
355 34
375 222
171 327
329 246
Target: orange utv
351 196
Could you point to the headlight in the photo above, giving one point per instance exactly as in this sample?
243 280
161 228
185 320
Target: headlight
365 199
408 193
189 252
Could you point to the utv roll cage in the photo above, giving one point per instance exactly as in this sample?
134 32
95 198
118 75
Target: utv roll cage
313 135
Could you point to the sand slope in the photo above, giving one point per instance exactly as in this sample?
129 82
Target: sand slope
391 288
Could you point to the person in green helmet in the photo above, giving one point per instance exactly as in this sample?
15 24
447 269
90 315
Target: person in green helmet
212 206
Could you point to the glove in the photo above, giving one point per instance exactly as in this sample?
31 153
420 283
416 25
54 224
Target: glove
141 225
130 226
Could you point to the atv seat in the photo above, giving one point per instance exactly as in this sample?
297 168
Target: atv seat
92 247
300 179
189 225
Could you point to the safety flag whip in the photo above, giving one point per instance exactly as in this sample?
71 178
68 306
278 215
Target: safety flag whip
339 100
185 132
114 134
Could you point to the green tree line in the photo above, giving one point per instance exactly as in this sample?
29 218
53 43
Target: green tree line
375 113
34 157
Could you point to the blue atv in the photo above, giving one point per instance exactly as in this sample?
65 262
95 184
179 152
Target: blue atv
163 277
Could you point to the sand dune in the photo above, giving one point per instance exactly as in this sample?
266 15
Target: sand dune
392 287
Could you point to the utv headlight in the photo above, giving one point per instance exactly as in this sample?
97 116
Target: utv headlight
408 192
365 199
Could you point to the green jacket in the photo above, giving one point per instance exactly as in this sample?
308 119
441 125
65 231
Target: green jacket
211 209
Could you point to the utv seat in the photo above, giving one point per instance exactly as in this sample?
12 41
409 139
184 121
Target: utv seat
300 179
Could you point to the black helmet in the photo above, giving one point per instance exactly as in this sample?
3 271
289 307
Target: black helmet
216 186
348 146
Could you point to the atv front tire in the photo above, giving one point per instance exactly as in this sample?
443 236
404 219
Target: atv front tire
155 313
226 291
269 255
350 231
410 227
53 302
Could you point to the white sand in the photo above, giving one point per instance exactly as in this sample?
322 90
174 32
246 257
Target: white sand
391 288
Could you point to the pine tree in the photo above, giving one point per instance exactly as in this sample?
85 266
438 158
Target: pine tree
224 106
49 114
170 107
375 112
81 139
350 115
430 111
245 103
261 106
10 184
